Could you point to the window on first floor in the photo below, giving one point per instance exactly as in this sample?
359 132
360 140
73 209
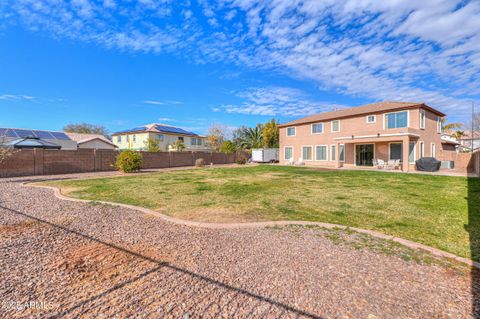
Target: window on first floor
341 152
196 141
422 150
307 153
134 137
161 137
288 153
433 150
332 153
321 153
411 152
396 151
119 139
181 138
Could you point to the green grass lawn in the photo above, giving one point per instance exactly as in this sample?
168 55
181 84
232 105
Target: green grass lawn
439 211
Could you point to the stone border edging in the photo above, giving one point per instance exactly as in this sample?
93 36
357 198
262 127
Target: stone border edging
410 244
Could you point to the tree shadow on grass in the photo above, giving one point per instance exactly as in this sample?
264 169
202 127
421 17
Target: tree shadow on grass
473 228
265 303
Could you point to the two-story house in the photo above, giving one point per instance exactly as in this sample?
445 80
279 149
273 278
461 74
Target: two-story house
166 135
357 136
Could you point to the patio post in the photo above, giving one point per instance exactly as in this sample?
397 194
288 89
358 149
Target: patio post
405 153
337 155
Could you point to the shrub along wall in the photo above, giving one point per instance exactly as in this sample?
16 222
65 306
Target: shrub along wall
45 162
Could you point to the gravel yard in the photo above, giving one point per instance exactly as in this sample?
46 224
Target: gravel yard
72 260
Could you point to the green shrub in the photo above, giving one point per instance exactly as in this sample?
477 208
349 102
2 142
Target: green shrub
128 161
200 162
228 147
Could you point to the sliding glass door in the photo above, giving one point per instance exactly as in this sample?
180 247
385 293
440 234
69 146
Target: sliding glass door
364 154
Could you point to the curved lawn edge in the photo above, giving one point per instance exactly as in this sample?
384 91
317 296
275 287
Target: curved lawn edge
408 243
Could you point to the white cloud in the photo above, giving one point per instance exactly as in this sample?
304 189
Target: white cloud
277 101
167 119
381 50
11 97
153 102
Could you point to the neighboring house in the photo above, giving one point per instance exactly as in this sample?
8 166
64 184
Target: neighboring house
166 135
358 136
466 140
91 141
50 137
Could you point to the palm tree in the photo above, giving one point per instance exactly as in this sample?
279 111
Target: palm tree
252 138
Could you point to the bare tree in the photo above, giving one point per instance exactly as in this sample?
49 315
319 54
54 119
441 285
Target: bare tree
86 128
216 135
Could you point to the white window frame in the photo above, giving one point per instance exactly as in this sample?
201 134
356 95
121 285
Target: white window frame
285 153
323 128
433 150
339 158
371 122
439 124
389 153
134 138
313 155
422 119
294 131
326 153
160 137
385 121
119 139
333 152
421 149
414 152
331 126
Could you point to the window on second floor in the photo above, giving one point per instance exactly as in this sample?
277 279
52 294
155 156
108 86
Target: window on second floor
439 124
317 128
371 118
291 131
336 126
397 119
422 119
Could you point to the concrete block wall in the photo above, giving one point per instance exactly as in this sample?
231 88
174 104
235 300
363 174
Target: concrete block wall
48 162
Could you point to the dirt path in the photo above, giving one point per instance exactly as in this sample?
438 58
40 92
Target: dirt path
76 260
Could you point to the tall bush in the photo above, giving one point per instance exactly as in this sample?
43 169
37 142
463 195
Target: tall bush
128 161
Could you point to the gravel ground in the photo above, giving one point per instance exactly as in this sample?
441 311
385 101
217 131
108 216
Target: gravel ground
76 260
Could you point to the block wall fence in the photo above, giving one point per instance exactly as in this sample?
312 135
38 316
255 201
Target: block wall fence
28 162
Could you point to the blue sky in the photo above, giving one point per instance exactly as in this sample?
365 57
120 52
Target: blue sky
194 63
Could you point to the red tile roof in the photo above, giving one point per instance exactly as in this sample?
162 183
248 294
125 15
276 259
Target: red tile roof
359 110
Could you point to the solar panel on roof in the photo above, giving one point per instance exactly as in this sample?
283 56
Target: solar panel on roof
44 134
11 133
171 129
3 132
60 135
24 133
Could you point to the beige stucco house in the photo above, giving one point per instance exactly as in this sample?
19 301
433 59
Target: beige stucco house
166 135
91 141
359 136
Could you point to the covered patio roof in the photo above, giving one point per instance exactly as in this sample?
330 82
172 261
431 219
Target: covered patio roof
376 138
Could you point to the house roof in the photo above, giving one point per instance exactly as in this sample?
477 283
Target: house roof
157 128
359 110
83 138
31 142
